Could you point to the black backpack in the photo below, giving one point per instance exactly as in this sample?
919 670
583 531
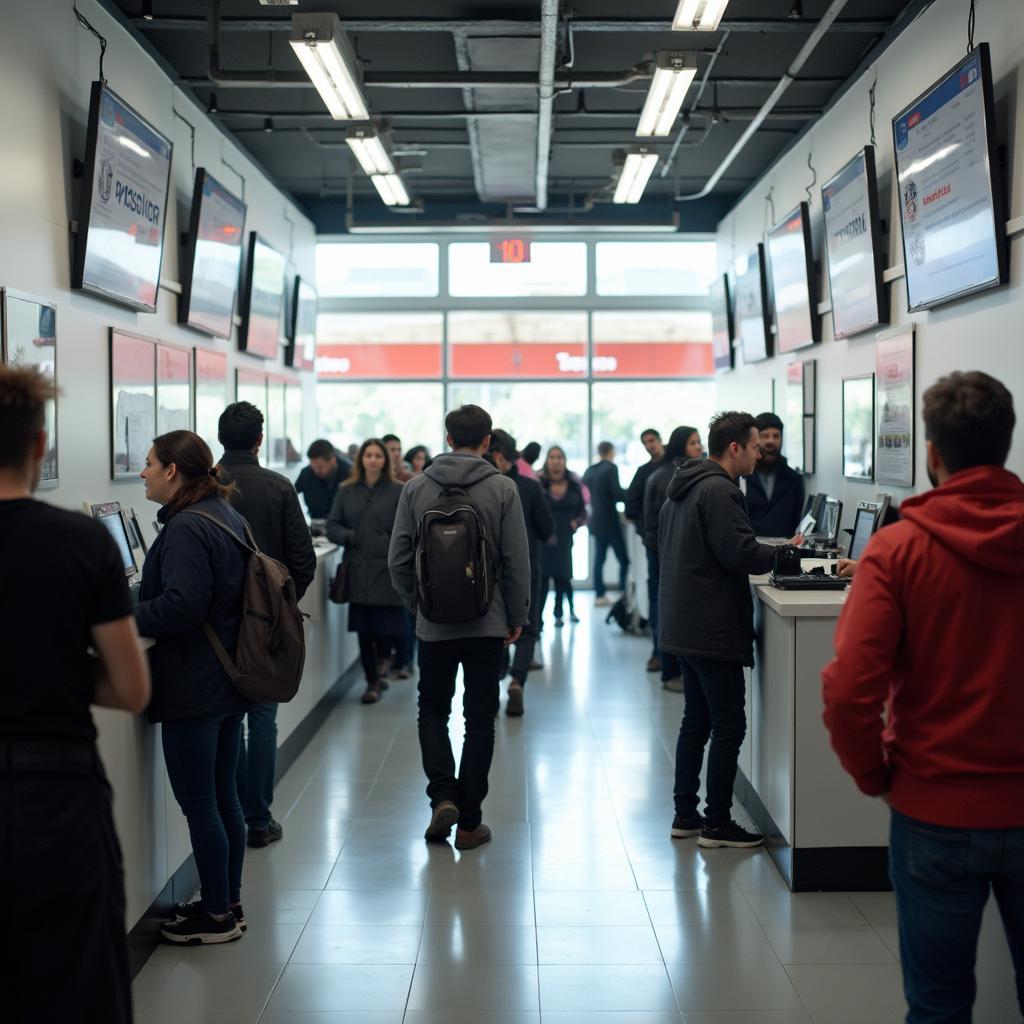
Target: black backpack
454 568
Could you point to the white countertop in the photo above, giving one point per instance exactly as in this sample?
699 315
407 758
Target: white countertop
323 547
817 604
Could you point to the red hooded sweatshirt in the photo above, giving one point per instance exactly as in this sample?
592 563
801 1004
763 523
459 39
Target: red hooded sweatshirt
933 629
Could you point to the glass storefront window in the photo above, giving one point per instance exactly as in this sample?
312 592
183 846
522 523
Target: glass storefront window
377 270
388 345
350 413
655 268
652 344
485 344
555 268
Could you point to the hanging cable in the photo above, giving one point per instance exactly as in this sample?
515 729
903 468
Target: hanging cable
871 113
85 23
970 29
192 132
769 201
814 179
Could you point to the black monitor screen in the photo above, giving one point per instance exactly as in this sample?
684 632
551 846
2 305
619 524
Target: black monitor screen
751 302
796 308
264 299
302 350
863 528
111 517
721 323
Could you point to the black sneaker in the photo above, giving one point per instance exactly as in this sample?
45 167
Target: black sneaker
730 835
192 908
686 828
265 836
200 929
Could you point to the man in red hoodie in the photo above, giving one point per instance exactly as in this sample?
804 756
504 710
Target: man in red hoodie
931 632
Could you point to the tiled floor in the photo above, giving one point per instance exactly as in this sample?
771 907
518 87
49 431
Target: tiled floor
582 910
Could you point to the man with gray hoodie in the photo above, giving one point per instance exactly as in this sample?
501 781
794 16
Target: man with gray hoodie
475 645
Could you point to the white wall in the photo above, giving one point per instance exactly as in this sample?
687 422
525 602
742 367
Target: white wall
47 63
980 333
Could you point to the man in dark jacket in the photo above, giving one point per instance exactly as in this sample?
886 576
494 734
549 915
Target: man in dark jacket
605 493
319 481
651 440
270 505
707 550
540 526
775 493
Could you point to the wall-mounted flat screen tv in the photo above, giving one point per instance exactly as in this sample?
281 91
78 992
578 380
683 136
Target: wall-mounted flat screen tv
120 243
853 243
212 258
263 299
951 203
721 323
301 352
751 307
791 260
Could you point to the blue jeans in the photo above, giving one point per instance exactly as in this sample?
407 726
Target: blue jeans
670 667
601 545
201 755
257 766
942 878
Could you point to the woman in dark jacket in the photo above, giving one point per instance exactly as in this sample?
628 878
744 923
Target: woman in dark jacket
194 574
361 519
564 494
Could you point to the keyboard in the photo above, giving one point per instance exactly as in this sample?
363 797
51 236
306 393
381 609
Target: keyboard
809 581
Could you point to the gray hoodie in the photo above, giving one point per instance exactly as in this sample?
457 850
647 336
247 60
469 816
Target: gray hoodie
497 500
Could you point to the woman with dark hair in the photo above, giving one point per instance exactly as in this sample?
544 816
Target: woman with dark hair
564 494
361 519
417 459
194 574
527 457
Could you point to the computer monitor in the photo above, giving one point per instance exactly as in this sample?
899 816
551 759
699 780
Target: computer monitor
109 513
863 528
827 528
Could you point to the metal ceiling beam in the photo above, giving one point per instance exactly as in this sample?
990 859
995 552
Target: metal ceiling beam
546 102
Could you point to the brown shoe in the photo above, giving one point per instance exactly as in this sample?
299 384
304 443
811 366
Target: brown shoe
471 840
445 815
653 664
371 694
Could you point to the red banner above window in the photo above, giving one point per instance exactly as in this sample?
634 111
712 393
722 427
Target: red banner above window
510 360
386 362
653 359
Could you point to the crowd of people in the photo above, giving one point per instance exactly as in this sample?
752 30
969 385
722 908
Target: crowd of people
457 554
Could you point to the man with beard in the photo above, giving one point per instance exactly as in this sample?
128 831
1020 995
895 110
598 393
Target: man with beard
775 493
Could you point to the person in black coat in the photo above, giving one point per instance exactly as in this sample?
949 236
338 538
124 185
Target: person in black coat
319 481
194 574
651 440
605 493
361 520
564 494
775 493
270 505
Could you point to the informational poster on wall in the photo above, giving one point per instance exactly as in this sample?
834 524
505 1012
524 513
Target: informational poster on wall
953 234
894 405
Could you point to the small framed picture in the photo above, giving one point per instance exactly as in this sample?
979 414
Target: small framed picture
211 394
132 402
859 427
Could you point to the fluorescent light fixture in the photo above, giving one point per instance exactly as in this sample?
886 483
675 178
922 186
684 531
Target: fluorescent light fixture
672 77
323 50
391 188
636 172
368 149
698 15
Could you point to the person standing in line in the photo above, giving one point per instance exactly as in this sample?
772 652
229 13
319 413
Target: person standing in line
683 445
540 527
475 645
565 497
194 574
417 459
527 457
63 948
605 493
706 553
362 520
399 470
924 702
270 506
775 492
319 481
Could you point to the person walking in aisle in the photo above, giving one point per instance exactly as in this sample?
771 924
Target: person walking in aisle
923 699
683 445
417 459
63 949
362 520
706 554
270 506
194 574
399 470
319 481
540 527
564 494
605 493
475 643
527 457
775 492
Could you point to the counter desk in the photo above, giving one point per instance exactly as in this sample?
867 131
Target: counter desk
822 832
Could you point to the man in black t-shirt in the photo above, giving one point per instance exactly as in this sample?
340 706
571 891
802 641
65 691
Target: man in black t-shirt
63 953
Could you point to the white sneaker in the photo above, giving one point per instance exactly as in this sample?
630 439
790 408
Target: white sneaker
602 602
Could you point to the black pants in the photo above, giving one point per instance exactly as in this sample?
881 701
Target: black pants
531 631
715 693
439 662
374 649
63 952
562 586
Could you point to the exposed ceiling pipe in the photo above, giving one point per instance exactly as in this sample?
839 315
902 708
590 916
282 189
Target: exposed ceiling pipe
769 104
546 103
472 124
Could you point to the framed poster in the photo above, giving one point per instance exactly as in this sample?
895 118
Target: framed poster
263 300
859 427
173 388
274 428
853 242
211 394
793 293
28 337
293 445
894 409
721 322
752 322
810 375
950 200
793 417
132 402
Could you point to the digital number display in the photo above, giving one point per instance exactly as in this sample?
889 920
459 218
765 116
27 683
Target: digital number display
510 250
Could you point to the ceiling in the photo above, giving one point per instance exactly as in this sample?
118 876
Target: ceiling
472 169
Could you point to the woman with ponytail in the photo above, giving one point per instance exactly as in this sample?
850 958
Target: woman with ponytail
194 574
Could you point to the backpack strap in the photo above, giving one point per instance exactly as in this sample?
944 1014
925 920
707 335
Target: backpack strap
251 546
